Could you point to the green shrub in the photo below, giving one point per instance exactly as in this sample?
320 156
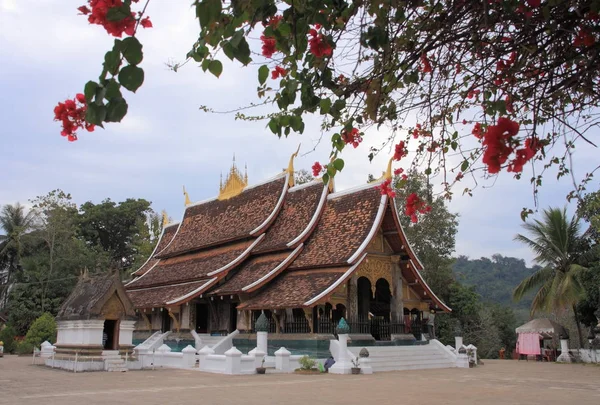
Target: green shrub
7 335
24 348
306 363
42 329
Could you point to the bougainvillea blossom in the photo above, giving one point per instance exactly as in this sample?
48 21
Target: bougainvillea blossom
398 171
400 151
497 143
386 189
98 15
352 137
278 72
425 64
72 115
415 205
317 169
268 46
318 44
524 155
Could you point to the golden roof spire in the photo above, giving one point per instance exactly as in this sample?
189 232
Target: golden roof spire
234 183
165 218
187 197
388 173
290 169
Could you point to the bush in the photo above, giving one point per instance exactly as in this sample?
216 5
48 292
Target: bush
7 335
24 348
42 329
306 363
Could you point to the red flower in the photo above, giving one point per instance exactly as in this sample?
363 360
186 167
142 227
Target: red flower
352 137
146 23
477 131
584 38
317 169
398 172
534 3
497 145
268 47
400 151
71 113
274 21
278 72
524 155
99 10
318 44
386 189
425 64
415 205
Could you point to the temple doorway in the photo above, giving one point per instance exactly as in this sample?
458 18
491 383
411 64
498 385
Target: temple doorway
110 335
232 317
363 290
166 321
201 318
383 297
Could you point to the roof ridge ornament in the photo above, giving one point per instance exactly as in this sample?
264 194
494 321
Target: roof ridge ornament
385 175
187 197
165 218
234 184
290 170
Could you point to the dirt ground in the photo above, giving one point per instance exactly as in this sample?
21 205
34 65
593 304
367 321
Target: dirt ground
497 382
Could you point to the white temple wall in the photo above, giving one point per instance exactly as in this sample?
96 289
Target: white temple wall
126 329
80 332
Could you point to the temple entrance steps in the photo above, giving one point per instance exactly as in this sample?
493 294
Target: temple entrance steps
154 341
220 344
208 340
392 358
113 361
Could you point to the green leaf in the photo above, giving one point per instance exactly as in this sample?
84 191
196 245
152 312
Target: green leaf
263 74
118 13
90 90
208 11
325 105
464 166
215 67
95 114
132 50
325 178
228 50
113 89
275 126
242 52
131 77
284 29
116 110
338 164
112 61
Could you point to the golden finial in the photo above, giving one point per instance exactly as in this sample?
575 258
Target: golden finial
221 183
246 173
234 183
331 179
388 173
165 218
290 169
187 197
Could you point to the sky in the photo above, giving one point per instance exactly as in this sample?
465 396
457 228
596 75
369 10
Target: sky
47 54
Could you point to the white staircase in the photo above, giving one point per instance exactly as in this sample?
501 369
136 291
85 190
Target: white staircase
390 358
208 340
113 361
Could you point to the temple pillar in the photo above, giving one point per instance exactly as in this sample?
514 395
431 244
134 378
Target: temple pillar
308 313
396 304
352 298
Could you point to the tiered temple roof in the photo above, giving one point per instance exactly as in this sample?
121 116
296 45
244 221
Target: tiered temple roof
274 244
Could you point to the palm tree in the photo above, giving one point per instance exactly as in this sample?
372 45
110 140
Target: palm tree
16 223
557 244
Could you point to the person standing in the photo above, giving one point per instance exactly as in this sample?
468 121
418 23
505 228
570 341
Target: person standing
431 324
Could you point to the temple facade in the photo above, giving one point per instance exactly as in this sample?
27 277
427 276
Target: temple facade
306 255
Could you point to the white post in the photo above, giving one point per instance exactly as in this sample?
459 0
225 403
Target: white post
342 364
458 342
233 361
282 360
565 356
261 341
202 353
76 356
258 356
189 356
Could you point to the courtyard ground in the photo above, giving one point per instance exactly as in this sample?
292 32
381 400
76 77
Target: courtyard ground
497 382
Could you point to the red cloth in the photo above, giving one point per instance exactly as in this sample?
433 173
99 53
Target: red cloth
528 343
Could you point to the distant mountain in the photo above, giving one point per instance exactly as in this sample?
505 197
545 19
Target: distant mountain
495 279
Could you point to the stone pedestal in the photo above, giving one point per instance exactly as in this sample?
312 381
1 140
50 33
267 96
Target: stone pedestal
262 341
259 356
202 353
47 350
565 356
189 356
282 359
233 361
126 333
458 342
343 364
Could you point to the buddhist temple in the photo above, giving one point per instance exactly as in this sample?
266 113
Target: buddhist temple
304 254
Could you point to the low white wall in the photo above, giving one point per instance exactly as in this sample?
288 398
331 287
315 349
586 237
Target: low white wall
79 366
126 333
586 355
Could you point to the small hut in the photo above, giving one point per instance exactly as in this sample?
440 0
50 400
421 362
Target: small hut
539 337
98 316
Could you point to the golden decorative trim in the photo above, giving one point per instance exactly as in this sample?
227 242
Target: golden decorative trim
234 183
290 169
147 321
175 320
187 197
374 268
387 174
308 313
165 218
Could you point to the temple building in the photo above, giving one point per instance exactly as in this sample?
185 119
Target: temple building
304 254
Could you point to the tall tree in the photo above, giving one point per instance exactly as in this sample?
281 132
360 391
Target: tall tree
557 244
17 223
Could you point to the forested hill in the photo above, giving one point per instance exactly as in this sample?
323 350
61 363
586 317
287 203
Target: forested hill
494 279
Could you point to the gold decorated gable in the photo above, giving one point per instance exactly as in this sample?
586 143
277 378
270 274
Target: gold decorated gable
113 308
235 183
374 268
